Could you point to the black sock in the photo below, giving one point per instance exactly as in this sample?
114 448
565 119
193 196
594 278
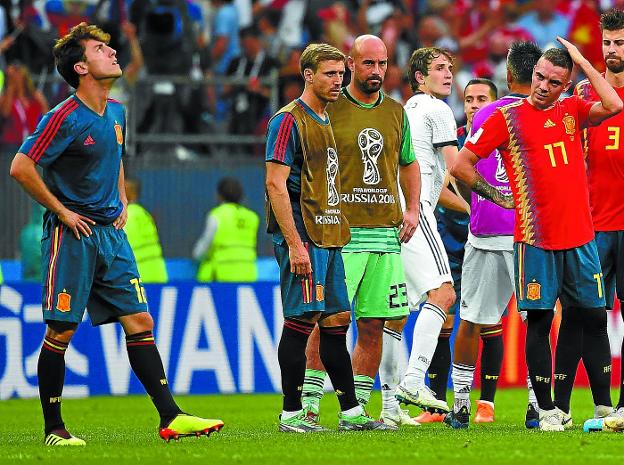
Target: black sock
567 356
539 356
491 360
621 401
597 353
51 376
440 366
147 366
292 360
337 362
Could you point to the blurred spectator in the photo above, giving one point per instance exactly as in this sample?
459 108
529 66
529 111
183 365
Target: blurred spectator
143 238
132 70
585 29
393 82
544 23
337 27
21 106
434 32
225 42
473 21
226 250
64 14
272 42
250 100
30 245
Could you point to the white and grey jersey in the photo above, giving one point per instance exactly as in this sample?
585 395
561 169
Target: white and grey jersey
432 126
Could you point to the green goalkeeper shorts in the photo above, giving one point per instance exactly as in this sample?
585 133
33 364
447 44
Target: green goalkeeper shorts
376 284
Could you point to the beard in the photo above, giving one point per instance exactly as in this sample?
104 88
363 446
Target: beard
368 87
615 66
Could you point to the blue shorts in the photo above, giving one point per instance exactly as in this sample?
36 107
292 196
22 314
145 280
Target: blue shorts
98 273
573 275
611 252
324 291
456 272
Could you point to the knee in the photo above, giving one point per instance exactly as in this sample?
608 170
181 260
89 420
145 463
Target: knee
61 331
396 325
469 328
594 320
444 296
336 319
370 328
137 323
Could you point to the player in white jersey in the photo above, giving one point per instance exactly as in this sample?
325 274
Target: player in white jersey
434 138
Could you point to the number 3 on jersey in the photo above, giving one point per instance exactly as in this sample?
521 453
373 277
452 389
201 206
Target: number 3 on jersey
614 137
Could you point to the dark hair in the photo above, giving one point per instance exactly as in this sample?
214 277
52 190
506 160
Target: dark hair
485 81
69 50
249 31
420 61
559 57
612 20
230 189
521 59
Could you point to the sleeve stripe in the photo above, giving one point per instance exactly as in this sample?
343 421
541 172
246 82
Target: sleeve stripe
282 137
51 129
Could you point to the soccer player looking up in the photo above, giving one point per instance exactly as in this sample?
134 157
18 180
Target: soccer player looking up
555 255
80 145
488 274
605 170
374 145
309 229
434 138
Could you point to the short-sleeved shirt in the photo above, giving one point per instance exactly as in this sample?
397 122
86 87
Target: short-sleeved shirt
284 146
226 25
80 153
604 147
433 127
543 156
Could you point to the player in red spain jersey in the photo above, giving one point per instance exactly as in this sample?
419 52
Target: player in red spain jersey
539 139
605 169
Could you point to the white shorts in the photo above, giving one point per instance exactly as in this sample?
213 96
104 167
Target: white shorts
487 284
424 259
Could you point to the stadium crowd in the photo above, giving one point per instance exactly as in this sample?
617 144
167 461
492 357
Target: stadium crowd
249 40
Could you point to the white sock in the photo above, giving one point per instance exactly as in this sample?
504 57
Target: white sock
462 377
532 398
426 332
352 412
389 376
286 415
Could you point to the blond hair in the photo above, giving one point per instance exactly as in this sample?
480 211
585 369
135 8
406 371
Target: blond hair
316 53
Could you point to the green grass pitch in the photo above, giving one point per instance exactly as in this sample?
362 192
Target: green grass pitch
122 430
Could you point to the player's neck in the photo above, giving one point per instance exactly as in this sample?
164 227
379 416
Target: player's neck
317 105
615 79
360 96
94 94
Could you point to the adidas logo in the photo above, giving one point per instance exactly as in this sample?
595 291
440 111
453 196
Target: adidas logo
549 124
89 140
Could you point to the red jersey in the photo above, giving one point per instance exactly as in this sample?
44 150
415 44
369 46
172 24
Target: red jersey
604 147
543 157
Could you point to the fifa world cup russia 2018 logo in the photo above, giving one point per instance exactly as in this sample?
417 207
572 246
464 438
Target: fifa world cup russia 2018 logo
371 144
332 171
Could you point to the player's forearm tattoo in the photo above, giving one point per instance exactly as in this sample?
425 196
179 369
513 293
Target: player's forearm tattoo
489 192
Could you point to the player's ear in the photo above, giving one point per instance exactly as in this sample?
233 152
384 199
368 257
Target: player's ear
420 77
308 75
350 64
567 86
81 68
